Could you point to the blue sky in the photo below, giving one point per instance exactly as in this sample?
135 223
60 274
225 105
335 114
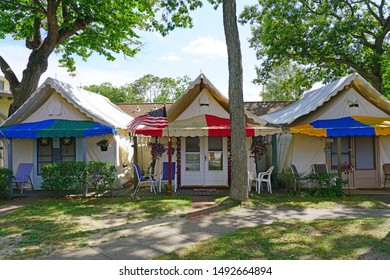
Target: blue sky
183 52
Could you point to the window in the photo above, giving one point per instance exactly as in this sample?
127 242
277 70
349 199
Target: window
53 150
1 85
365 152
215 154
192 154
345 151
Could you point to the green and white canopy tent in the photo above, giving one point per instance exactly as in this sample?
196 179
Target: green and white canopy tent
72 121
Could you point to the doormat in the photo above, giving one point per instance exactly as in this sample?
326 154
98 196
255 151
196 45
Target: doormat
204 191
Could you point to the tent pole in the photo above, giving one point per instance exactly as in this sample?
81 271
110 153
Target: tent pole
339 179
84 148
135 157
10 166
275 161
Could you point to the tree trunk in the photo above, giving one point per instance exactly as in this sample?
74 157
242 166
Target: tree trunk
37 65
239 189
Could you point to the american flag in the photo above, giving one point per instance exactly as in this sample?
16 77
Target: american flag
156 118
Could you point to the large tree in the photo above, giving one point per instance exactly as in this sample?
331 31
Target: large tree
148 88
331 37
81 27
239 189
286 82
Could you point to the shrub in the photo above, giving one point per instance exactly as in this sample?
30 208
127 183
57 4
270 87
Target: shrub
78 177
6 176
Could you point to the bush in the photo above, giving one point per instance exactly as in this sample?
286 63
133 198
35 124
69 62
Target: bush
78 177
6 176
287 181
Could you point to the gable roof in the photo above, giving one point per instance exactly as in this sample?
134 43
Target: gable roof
313 99
194 90
94 106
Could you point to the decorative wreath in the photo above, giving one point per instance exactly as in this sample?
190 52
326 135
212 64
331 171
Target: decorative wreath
67 141
44 141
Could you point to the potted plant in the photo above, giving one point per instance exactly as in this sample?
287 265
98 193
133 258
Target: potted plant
104 144
168 188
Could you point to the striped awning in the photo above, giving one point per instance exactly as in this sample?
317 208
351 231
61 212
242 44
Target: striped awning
347 126
204 125
55 129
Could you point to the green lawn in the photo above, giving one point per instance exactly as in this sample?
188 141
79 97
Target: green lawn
285 201
314 240
50 224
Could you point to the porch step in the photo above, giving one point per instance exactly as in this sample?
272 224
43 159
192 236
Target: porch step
202 206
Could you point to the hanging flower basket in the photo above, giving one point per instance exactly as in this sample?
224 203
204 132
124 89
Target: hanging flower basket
258 149
157 150
104 144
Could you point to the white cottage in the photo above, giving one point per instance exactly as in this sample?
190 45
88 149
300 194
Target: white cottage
199 125
61 122
349 108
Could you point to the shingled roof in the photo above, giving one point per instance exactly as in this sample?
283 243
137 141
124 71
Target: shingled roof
257 108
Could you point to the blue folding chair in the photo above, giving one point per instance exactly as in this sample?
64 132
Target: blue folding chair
144 181
23 177
164 175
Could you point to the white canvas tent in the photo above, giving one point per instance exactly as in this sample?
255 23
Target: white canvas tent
354 111
199 123
61 122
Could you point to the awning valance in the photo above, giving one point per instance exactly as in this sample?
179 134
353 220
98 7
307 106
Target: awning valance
204 125
347 126
55 129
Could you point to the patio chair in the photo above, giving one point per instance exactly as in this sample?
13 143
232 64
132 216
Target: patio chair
322 168
23 177
264 177
164 175
144 181
386 170
298 177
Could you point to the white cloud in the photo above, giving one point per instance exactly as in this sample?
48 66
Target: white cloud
207 46
169 57
195 61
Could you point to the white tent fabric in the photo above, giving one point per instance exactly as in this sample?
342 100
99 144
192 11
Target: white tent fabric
307 150
314 99
94 106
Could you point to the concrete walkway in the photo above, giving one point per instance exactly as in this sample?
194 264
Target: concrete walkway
152 238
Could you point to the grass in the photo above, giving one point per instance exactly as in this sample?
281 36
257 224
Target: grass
286 201
314 240
50 224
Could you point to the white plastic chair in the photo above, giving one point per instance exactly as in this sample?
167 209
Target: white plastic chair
264 177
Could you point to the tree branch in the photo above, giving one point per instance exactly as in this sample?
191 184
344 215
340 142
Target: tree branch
8 73
353 65
34 42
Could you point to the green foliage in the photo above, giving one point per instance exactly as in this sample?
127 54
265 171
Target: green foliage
6 177
78 177
328 38
287 181
148 88
333 191
286 82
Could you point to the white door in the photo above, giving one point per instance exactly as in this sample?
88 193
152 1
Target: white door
216 161
204 161
192 162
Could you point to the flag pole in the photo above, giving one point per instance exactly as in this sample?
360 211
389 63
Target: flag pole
169 152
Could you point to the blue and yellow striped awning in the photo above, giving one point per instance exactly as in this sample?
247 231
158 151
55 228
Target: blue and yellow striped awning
347 126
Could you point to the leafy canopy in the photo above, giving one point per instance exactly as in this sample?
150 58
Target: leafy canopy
148 88
82 27
330 38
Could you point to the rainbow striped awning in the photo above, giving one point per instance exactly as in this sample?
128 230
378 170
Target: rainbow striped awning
347 126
